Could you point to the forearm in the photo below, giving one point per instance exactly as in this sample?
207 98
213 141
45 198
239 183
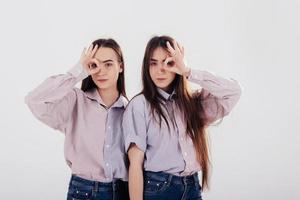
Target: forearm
56 87
136 182
218 86
53 100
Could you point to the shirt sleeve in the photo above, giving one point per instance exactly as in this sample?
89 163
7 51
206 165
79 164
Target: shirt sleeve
52 101
134 125
218 95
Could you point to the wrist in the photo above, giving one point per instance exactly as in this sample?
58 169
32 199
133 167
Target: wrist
79 71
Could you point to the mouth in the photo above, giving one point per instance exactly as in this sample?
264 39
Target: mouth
102 80
161 79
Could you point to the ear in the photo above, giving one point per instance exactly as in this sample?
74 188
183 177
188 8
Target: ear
121 68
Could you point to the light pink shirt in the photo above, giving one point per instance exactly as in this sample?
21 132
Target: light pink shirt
94 143
173 151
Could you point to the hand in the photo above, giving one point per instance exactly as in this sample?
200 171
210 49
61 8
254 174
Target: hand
175 63
88 61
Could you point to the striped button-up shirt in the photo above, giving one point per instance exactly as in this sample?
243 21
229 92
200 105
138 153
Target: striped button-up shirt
94 143
172 150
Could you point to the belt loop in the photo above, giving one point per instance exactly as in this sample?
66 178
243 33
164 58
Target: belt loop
184 180
114 185
196 178
96 187
170 178
114 188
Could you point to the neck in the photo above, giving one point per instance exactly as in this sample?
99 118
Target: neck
109 96
168 89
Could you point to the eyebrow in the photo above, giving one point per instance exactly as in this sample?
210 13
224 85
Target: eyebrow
105 61
152 59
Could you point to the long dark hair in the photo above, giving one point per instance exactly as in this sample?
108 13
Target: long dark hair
88 83
189 104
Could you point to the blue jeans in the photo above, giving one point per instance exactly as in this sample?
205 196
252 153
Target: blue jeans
164 186
80 189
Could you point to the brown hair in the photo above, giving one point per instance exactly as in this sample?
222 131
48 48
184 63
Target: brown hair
88 83
187 102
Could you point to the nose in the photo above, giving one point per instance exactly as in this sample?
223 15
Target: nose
161 68
101 71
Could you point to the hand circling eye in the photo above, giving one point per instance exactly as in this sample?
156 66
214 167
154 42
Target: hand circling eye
93 66
170 63
87 58
175 63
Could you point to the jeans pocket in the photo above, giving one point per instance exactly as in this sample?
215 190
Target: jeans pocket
79 193
152 185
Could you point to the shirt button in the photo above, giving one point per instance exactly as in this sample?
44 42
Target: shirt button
181 138
107 164
108 127
107 146
185 153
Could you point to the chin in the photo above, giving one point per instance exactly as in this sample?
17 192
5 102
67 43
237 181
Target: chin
163 87
102 86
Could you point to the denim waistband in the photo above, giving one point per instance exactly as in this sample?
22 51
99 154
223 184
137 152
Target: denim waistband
88 184
163 176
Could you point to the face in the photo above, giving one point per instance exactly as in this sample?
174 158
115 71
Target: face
108 71
159 75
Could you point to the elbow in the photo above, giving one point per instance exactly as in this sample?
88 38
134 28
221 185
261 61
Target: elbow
136 157
236 94
232 100
239 90
37 109
28 100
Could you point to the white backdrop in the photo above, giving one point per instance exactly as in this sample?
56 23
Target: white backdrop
255 151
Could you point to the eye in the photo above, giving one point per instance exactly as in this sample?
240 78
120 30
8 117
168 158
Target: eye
93 66
153 64
170 64
108 64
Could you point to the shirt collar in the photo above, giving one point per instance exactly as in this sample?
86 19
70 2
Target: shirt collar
94 95
167 96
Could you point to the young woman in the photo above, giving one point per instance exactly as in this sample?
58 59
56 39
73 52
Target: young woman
90 118
164 126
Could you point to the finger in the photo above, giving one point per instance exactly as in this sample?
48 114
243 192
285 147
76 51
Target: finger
83 52
89 51
95 66
170 63
94 50
170 48
94 60
177 46
170 69
168 60
182 50
93 63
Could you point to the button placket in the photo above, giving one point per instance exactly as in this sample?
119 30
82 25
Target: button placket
107 146
183 142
